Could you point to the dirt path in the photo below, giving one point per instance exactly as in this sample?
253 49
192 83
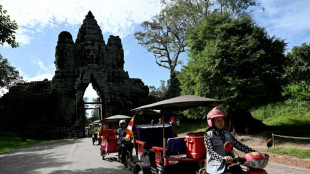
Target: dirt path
259 144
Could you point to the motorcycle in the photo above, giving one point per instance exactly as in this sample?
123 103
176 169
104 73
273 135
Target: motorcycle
253 162
126 152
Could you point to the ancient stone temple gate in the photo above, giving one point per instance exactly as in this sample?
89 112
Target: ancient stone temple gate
88 60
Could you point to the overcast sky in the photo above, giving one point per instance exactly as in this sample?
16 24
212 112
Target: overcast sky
40 22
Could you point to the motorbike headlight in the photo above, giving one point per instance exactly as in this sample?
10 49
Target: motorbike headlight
257 163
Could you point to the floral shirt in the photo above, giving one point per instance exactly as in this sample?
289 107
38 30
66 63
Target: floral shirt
220 133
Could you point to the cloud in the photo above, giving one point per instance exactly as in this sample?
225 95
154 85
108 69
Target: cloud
286 19
117 17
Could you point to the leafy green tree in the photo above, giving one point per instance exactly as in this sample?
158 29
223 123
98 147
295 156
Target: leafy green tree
9 76
173 89
159 92
236 61
7 29
298 69
235 8
166 34
298 72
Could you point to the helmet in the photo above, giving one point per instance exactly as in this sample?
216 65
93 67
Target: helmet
215 112
121 121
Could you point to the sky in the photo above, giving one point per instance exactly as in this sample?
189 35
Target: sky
41 21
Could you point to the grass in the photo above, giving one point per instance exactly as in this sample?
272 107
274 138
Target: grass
288 113
189 126
291 151
10 141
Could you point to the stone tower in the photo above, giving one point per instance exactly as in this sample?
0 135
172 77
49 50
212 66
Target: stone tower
90 60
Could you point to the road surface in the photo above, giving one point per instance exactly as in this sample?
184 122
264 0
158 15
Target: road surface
63 157
79 156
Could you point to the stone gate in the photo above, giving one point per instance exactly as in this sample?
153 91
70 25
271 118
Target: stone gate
87 60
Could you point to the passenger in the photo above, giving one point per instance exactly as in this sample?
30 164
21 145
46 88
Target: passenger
120 132
215 138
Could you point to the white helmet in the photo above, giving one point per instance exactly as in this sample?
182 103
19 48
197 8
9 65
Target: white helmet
121 121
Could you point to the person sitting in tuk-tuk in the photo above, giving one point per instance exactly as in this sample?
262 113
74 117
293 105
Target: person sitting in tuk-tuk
101 130
215 138
120 132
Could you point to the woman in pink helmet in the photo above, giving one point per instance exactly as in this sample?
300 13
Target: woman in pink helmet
215 138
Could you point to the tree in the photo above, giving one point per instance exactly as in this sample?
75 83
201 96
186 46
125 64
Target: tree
9 76
7 29
298 69
298 72
236 61
166 35
235 8
173 89
159 92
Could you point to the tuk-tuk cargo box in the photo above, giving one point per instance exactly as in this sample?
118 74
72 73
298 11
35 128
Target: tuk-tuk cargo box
195 147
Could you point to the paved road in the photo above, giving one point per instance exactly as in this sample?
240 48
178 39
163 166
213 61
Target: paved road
80 156
64 157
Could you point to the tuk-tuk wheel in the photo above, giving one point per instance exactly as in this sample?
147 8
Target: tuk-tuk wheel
137 169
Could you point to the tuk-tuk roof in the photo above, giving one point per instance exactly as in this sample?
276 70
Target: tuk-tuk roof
117 117
180 103
96 122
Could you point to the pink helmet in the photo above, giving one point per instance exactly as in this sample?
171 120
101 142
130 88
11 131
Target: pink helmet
215 112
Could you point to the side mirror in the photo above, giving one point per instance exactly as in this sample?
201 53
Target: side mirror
116 132
269 143
228 146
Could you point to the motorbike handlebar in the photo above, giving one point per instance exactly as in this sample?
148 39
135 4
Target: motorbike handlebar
237 161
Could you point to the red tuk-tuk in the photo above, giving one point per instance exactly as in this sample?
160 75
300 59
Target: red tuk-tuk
108 134
159 150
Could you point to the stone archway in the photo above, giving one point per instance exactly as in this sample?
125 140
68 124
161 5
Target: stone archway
90 60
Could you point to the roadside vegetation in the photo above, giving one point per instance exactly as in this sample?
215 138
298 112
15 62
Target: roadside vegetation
288 113
291 151
10 141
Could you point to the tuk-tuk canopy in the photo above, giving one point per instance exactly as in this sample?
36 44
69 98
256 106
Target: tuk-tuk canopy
96 122
117 117
180 103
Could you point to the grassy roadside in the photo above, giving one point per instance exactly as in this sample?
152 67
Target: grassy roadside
189 126
10 141
291 151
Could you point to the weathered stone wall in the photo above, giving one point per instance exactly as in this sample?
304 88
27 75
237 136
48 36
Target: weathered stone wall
59 107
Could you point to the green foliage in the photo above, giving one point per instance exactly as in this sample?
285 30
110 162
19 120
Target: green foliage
8 74
234 7
8 29
10 141
292 151
165 36
288 113
298 69
189 126
159 92
297 91
173 86
234 60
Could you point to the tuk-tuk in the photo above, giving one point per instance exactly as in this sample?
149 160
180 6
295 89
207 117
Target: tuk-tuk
108 134
160 150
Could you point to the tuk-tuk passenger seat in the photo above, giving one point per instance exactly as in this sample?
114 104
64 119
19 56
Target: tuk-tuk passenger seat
176 146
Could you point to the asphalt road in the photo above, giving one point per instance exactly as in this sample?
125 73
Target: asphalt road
79 156
63 157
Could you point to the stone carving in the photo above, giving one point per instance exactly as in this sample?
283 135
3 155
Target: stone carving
90 60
